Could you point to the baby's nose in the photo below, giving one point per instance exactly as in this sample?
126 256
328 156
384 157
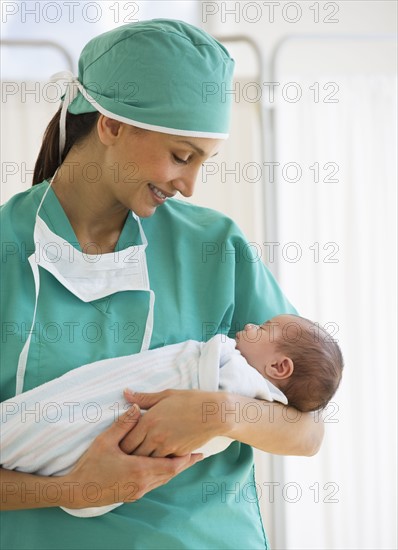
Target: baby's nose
249 326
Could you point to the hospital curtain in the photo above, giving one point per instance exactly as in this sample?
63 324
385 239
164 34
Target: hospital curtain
26 110
335 196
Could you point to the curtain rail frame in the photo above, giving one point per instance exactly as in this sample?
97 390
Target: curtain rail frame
266 73
39 44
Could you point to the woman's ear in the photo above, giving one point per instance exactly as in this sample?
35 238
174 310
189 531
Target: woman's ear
108 129
280 369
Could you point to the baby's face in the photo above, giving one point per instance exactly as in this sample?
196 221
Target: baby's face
257 343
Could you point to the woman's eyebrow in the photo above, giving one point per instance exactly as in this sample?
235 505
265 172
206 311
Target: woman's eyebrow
194 147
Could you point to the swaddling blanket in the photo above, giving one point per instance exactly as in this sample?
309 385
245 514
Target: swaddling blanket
47 429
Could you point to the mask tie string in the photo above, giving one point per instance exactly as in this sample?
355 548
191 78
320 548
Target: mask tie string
72 88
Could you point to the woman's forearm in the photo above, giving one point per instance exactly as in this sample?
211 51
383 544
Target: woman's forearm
21 491
270 427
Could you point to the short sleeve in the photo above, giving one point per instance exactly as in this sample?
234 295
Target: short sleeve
258 296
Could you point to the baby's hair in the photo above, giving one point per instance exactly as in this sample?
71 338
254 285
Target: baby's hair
318 365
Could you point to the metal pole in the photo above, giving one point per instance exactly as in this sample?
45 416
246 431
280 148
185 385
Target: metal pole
40 44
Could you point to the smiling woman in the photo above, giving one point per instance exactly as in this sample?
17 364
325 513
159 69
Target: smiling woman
110 187
138 170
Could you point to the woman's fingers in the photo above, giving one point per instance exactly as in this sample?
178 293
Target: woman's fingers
117 476
122 478
122 426
131 439
145 400
164 430
175 465
145 450
159 471
134 442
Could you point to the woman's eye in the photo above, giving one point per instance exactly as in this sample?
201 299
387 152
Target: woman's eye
180 160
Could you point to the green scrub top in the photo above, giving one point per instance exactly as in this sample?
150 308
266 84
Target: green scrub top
206 280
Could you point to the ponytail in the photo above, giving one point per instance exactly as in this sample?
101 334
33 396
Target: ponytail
77 128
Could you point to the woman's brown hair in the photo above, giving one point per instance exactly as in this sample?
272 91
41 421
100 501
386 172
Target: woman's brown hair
77 128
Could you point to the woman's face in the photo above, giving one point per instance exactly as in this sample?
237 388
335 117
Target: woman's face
145 168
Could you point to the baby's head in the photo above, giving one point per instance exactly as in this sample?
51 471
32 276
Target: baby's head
297 356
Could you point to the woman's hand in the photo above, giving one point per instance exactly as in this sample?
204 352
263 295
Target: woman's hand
105 474
180 421
175 423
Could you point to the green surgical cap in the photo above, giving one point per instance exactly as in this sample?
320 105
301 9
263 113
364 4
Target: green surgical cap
162 75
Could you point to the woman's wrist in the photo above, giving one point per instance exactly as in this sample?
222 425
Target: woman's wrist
221 411
268 426
72 492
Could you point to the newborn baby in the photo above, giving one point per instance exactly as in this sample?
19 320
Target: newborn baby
297 356
286 358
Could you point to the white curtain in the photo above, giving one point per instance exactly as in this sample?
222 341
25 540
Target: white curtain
24 119
345 278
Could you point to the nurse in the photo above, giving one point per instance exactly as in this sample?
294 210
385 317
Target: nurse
100 260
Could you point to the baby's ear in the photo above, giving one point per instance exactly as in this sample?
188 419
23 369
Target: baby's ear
281 369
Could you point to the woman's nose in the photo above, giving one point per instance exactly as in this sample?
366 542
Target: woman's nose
186 183
185 186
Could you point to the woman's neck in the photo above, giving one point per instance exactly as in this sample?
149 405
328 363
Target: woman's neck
95 216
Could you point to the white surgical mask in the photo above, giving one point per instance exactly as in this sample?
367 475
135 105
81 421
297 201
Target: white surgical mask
88 277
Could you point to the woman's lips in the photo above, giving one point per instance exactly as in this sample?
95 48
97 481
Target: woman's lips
159 194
